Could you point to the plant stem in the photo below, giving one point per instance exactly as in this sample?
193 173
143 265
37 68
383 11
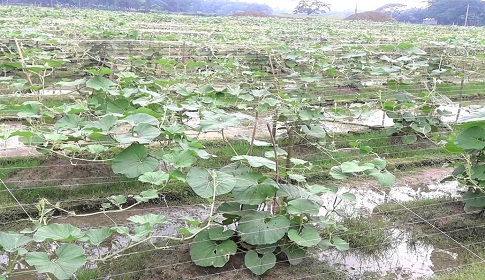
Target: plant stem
256 119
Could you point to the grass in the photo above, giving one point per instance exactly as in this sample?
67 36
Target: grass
368 235
468 272
11 165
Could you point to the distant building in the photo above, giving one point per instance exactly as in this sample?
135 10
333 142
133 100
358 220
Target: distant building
430 21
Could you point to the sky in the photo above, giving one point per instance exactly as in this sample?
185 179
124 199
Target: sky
340 5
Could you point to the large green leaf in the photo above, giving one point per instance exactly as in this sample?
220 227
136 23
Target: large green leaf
155 178
249 191
96 236
99 83
180 159
257 161
302 206
217 122
11 242
314 131
104 124
474 198
58 232
207 252
259 265
143 133
307 237
69 121
340 244
207 183
141 118
69 259
258 227
134 161
472 138
294 253
383 177
354 167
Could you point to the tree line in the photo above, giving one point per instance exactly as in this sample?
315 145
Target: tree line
223 7
447 12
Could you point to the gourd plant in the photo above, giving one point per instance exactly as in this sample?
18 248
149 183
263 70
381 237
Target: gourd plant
140 128
470 142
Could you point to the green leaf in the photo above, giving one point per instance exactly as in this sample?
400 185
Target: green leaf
348 196
206 252
217 122
68 122
340 244
104 124
145 196
99 83
294 253
117 200
256 161
379 163
30 109
314 131
258 227
307 237
297 177
155 178
474 198
207 183
11 242
180 159
218 233
96 149
302 206
384 178
141 118
134 161
69 259
472 138
336 173
259 265
58 232
266 248
248 190
478 172
354 167
325 244
150 219
96 236
142 133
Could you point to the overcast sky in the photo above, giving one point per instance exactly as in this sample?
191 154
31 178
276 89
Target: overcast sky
338 5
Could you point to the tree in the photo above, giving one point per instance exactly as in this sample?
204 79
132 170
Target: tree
390 9
454 11
311 7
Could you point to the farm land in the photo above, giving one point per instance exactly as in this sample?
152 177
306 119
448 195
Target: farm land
165 146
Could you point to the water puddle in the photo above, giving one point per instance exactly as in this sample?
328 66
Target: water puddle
402 258
412 187
174 216
12 146
378 118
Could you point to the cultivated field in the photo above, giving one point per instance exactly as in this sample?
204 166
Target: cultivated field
163 146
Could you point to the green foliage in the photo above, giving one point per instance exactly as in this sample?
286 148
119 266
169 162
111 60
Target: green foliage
311 7
470 141
68 259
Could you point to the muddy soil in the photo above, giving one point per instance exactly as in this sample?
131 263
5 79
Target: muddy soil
64 173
